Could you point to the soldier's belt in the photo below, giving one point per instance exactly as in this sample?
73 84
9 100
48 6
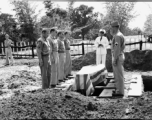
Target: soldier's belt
61 51
54 51
45 54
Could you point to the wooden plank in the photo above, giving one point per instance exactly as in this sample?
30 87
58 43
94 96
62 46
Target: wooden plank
104 87
136 86
107 92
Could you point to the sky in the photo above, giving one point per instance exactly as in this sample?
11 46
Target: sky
142 9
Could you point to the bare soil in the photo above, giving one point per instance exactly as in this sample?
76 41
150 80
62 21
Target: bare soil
21 97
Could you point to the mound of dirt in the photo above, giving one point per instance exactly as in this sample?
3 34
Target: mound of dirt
134 60
87 59
46 104
28 101
139 60
56 104
90 58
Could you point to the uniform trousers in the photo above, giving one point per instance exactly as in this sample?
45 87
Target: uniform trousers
68 63
8 52
61 66
54 69
118 71
45 72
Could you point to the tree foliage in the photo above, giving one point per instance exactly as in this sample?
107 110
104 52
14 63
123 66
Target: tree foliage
82 18
27 19
57 15
119 11
148 25
47 22
7 21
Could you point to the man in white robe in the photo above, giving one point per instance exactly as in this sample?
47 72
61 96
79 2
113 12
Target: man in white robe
101 44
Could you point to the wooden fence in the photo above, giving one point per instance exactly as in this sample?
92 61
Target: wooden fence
28 49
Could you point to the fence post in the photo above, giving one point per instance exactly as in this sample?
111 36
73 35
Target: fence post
3 49
140 45
83 49
32 49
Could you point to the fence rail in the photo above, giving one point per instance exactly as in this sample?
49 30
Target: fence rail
28 49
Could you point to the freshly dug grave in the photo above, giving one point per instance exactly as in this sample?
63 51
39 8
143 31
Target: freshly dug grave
134 60
27 103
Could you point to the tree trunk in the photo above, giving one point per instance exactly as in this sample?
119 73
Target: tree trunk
82 36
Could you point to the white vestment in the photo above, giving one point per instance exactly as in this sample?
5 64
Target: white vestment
102 50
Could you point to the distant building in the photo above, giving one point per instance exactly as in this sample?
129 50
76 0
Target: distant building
150 38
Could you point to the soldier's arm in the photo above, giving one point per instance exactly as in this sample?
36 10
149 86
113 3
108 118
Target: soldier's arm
49 40
123 44
59 45
11 43
5 43
117 47
69 45
51 50
112 45
39 50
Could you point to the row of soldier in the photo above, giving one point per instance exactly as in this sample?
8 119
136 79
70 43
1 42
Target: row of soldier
53 52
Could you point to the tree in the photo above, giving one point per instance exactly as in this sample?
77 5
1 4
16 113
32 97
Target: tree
57 15
27 19
83 19
70 9
7 23
121 12
148 25
47 22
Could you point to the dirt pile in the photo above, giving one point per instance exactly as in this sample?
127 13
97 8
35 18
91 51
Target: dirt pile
46 104
134 60
28 101
20 82
139 60
55 104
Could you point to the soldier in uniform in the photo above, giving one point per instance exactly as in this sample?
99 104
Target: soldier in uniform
62 56
43 52
54 57
117 48
101 44
8 50
68 62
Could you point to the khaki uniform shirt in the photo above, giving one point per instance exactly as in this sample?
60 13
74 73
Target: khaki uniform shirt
53 44
118 45
61 46
67 44
43 47
8 43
